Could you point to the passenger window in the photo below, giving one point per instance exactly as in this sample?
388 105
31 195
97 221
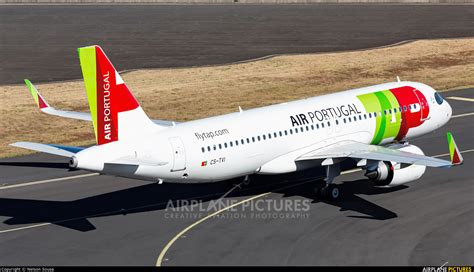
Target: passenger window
269 135
264 137
337 122
236 142
215 147
202 148
281 134
286 133
248 140
253 139
317 126
231 144
208 148
220 146
296 130
355 118
275 134
312 127
242 141
329 124
360 117
225 145
291 131
301 129
322 125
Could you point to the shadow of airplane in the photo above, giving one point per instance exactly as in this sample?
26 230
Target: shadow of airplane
151 197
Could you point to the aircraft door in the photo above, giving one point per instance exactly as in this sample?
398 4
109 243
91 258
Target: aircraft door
179 155
424 108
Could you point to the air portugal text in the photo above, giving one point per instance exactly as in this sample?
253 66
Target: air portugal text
107 122
323 114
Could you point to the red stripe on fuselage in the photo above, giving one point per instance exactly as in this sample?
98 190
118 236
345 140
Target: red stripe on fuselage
406 96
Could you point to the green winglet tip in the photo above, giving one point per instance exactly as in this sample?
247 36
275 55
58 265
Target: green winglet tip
32 90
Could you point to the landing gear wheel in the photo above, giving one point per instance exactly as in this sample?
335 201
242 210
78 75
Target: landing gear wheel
329 192
333 192
246 181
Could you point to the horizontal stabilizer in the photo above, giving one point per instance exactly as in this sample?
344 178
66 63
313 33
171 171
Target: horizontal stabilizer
85 116
46 108
64 151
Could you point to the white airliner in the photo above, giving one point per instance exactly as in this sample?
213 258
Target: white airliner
370 125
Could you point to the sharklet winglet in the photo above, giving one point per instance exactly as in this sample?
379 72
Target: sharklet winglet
454 153
40 101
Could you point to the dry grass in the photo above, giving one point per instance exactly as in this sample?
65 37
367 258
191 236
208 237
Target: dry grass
192 93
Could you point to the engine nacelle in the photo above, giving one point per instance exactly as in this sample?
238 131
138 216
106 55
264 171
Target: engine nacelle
390 174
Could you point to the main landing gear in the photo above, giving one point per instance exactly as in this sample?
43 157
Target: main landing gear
328 190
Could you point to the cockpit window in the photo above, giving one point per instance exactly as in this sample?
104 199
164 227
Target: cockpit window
439 98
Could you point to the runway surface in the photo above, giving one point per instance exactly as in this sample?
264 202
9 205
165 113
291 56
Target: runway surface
103 220
36 37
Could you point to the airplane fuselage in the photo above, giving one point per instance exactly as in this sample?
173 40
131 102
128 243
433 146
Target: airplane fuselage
267 140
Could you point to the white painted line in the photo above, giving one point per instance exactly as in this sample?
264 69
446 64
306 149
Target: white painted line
463 115
47 181
460 98
27 227
447 154
181 233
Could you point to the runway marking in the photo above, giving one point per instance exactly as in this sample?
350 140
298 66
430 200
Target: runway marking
465 99
447 154
26 227
181 233
163 252
47 181
463 115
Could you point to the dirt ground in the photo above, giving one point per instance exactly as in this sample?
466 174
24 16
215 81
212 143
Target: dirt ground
192 93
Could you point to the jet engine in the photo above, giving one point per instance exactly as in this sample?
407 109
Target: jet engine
390 174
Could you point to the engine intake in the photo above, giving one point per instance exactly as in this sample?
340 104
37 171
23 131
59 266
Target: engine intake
387 173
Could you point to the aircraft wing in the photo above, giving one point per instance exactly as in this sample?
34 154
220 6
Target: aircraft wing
85 116
357 150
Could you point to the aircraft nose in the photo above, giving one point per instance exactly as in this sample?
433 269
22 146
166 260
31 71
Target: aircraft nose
449 110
